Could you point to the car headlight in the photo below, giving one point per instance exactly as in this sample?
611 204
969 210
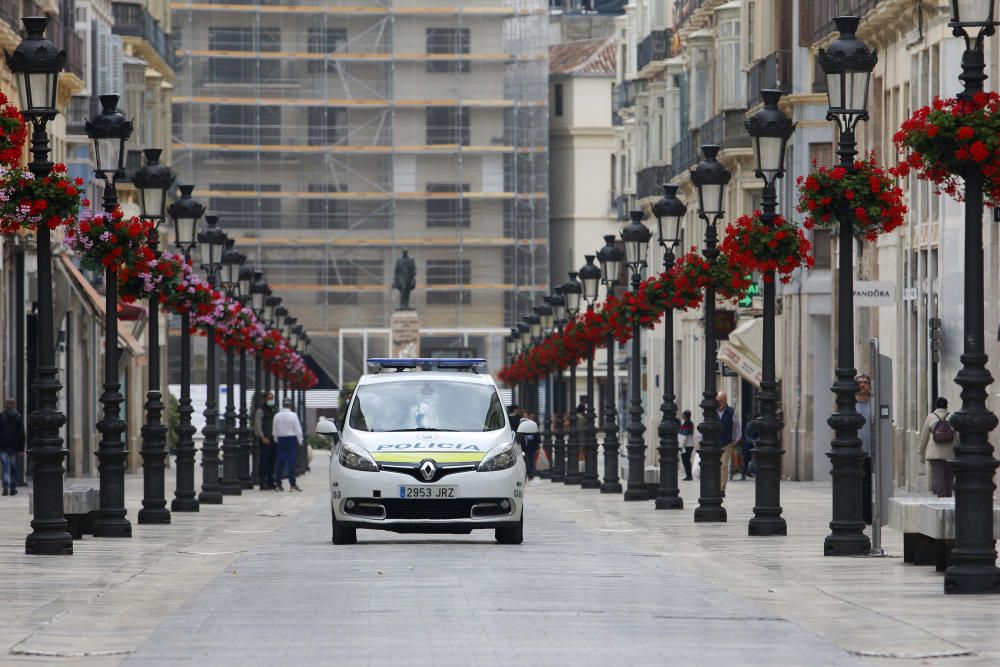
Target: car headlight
356 458
500 457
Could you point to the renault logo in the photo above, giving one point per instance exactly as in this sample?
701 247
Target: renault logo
428 470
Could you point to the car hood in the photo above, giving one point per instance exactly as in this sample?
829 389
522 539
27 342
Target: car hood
415 446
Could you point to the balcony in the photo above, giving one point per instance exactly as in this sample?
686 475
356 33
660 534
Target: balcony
726 129
823 14
656 46
625 95
134 21
774 71
649 181
81 108
64 37
619 206
684 154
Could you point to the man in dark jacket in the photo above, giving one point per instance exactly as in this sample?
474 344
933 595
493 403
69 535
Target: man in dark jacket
11 445
264 427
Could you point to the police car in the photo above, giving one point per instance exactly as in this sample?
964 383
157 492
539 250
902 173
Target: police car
426 447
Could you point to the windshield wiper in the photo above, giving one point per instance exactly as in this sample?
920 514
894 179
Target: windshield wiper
400 430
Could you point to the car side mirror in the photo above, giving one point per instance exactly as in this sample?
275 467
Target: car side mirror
328 429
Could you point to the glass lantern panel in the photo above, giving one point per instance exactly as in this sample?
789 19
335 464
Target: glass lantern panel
152 201
711 199
108 154
834 91
856 87
590 286
769 153
610 270
974 11
186 229
573 302
40 91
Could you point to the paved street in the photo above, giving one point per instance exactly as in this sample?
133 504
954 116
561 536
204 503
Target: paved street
257 582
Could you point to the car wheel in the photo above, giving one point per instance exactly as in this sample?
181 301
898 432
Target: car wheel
344 535
512 534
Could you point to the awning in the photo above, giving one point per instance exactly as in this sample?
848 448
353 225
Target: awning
742 352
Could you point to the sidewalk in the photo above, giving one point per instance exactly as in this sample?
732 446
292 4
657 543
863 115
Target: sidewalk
100 603
873 607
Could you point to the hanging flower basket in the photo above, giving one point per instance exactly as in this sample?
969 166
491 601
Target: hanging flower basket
867 195
108 241
693 273
159 273
944 140
13 133
757 247
26 201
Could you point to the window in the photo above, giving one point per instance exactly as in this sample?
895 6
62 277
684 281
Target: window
730 78
451 211
557 101
246 212
822 248
244 39
325 212
447 125
453 274
337 298
821 155
447 41
345 271
442 405
325 41
327 125
238 124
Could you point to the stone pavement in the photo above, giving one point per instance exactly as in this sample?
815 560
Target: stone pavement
257 582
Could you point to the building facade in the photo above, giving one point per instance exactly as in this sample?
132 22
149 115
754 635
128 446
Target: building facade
329 137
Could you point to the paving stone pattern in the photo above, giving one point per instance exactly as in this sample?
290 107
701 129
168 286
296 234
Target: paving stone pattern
597 581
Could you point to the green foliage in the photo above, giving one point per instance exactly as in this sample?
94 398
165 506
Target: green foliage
317 441
346 393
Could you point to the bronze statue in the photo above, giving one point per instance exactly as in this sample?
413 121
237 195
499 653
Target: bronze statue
404 278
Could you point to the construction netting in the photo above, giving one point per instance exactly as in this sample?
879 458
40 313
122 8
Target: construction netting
328 136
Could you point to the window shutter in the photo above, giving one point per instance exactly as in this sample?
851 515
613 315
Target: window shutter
821 154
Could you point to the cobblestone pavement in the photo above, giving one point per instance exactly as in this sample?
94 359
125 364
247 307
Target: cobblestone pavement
257 582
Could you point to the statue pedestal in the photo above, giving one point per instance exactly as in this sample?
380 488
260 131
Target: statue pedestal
405 332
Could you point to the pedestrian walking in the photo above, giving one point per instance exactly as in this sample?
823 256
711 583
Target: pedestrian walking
529 442
685 434
863 404
729 437
11 445
288 433
937 445
264 428
750 436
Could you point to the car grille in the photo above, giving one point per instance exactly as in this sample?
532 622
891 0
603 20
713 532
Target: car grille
413 470
433 509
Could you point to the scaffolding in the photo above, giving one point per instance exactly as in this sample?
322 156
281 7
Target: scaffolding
328 136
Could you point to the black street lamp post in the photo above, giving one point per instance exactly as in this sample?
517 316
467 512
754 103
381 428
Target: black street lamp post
36 62
668 496
152 181
259 293
710 177
109 130
973 560
534 334
770 130
610 257
211 243
636 238
848 65
590 279
246 432
555 323
232 260
280 315
572 291
186 213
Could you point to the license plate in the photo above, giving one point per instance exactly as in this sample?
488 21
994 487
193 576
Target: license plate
428 492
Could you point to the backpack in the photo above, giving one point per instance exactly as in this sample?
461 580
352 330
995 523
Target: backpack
942 432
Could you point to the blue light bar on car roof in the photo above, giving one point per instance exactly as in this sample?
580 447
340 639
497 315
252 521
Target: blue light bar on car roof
379 363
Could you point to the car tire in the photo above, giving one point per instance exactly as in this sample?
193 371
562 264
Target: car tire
343 534
512 534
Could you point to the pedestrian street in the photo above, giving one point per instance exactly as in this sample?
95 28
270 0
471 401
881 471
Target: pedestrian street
257 582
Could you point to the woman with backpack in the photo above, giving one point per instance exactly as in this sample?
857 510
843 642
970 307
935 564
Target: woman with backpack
937 445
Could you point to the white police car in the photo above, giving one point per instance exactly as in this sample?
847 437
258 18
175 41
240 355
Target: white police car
426 447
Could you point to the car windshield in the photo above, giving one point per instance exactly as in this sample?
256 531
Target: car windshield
430 405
